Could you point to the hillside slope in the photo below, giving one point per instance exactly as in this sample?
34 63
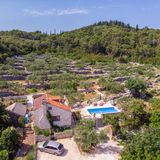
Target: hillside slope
114 39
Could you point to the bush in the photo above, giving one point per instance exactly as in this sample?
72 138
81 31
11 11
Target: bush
155 119
136 86
102 81
110 85
50 118
123 59
32 90
85 85
143 146
46 133
10 141
78 115
114 87
155 103
39 131
134 115
102 136
113 120
4 155
31 154
21 122
56 128
85 135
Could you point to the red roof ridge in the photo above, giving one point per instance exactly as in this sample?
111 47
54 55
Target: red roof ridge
59 105
51 100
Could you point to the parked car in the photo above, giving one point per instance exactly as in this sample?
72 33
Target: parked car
51 147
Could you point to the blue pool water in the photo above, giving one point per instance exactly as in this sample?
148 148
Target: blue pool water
103 110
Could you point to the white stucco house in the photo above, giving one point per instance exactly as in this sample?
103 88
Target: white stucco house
60 112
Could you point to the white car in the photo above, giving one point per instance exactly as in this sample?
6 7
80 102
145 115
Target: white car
51 147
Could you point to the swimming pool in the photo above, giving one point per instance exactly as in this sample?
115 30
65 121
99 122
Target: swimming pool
103 110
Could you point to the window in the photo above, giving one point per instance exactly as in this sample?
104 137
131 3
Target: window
49 108
50 147
56 118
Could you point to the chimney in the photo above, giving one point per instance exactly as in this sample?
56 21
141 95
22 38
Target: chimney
44 102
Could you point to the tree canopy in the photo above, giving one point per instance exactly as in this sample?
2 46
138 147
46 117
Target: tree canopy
113 38
143 146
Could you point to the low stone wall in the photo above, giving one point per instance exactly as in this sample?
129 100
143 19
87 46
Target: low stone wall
40 138
15 97
7 94
61 135
12 77
37 86
58 135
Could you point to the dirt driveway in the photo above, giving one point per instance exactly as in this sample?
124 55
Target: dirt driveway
107 151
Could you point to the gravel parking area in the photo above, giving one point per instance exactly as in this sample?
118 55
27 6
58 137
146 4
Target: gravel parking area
107 151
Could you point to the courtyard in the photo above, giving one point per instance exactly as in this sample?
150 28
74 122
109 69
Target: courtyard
108 151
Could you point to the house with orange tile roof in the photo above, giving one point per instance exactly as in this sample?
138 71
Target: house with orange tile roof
56 106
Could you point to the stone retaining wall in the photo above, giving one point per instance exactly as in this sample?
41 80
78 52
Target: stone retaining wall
58 135
40 138
61 135
15 97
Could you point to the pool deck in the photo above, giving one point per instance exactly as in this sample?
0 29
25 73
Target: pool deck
85 113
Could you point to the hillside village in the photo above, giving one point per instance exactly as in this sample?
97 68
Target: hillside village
35 112
97 105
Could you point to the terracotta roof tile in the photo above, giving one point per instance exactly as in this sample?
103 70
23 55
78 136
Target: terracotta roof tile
52 100
60 105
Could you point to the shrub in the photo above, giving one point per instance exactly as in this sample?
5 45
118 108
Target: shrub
85 85
136 86
155 119
21 122
46 133
112 120
102 136
39 131
10 141
50 118
32 90
155 103
4 155
31 154
85 135
114 87
102 81
143 146
123 59
134 115
78 115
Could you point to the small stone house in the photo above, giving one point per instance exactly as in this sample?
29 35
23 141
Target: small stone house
60 111
16 110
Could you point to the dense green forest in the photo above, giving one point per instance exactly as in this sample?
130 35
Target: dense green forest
113 39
